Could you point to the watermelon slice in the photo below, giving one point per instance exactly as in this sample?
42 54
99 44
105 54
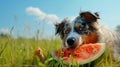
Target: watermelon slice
82 54
39 53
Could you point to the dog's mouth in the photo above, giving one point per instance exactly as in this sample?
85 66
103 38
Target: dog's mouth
76 45
73 46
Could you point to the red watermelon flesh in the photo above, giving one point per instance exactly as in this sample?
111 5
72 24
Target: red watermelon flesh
83 53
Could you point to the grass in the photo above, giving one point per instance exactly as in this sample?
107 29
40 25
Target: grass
20 53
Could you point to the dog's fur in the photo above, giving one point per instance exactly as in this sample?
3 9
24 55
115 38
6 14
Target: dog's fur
86 29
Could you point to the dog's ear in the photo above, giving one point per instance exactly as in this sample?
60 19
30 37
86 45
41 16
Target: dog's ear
89 17
59 27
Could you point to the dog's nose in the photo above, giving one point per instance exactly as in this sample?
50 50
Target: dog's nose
71 41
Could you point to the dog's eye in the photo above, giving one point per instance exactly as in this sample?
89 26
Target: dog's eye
67 29
78 28
77 25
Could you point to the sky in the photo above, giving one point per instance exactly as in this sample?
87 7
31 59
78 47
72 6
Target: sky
26 17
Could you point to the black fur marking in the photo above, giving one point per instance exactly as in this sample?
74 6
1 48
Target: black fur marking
60 28
83 29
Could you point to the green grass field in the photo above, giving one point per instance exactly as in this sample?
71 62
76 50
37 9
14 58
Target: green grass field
20 53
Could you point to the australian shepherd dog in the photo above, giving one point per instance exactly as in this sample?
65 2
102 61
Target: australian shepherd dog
84 29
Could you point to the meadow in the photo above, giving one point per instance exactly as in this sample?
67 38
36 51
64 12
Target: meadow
20 53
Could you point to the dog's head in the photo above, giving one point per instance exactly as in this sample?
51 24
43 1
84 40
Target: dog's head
81 30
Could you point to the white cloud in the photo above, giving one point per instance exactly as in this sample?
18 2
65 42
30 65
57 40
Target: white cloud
50 18
4 30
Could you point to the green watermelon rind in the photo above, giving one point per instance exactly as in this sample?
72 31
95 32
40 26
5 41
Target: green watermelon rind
100 53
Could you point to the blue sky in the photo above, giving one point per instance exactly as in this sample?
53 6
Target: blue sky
14 13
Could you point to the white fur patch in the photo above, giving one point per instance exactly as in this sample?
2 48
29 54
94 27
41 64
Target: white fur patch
74 34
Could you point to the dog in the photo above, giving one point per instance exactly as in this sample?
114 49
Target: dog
84 29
